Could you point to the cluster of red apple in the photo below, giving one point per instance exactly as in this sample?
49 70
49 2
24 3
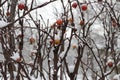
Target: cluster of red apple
22 6
83 7
60 22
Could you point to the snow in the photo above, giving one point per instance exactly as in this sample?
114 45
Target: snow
116 77
118 64
62 54
21 2
110 60
71 68
3 23
3 1
18 32
97 28
74 41
15 56
97 33
34 51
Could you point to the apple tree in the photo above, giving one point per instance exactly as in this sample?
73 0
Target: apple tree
59 39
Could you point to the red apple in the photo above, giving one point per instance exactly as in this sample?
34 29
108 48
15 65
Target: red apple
57 41
110 64
32 40
84 7
59 22
18 59
114 24
74 46
21 6
8 13
74 5
70 20
82 22
51 42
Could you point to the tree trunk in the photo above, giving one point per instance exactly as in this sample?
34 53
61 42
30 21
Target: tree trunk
8 41
55 63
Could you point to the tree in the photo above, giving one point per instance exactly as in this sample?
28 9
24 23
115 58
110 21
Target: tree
81 40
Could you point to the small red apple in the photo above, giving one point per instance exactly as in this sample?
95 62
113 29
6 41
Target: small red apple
57 41
59 22
110 64
82 22
74 46
19 60
74 5
32 40
21 6
114 24
70 20
51 42
8 13
84 7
